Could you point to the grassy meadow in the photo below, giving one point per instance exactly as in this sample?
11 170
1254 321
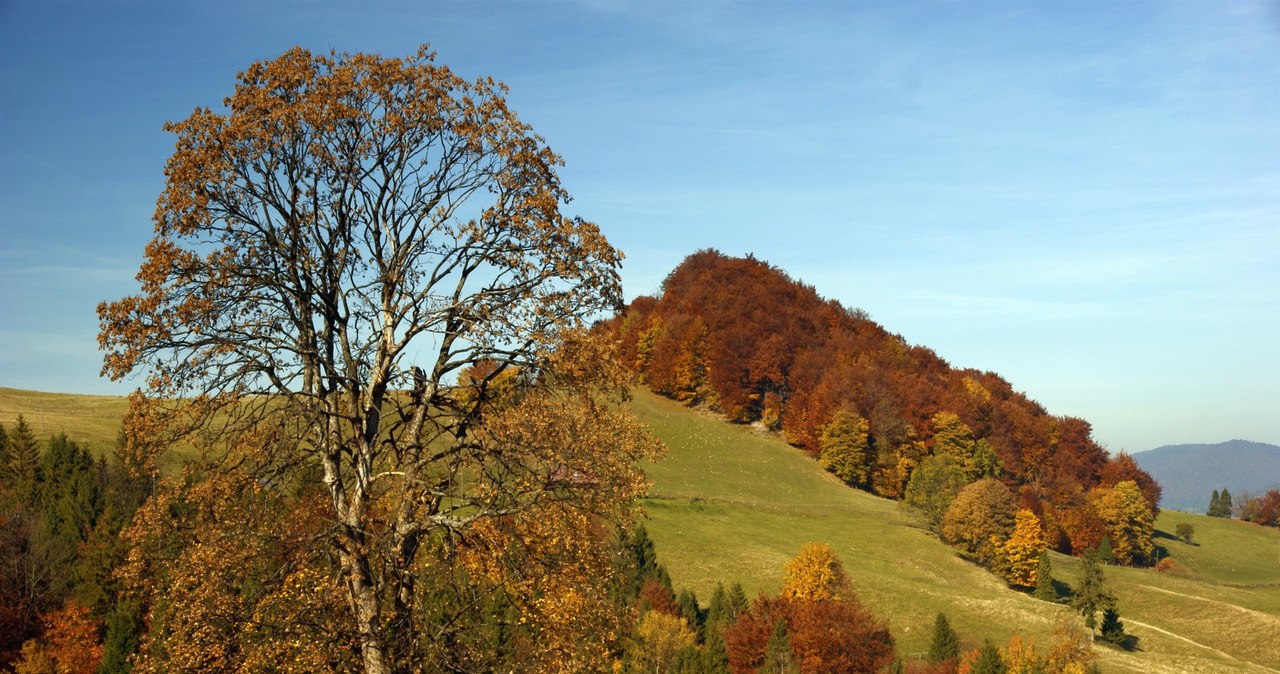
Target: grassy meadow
91 421
731 503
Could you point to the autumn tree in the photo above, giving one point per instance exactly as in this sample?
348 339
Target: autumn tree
330 252
980 519
1264 510
816 573
1129 519
661 641
1018 558
816 626
846 450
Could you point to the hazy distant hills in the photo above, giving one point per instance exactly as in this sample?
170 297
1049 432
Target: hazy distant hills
1189 473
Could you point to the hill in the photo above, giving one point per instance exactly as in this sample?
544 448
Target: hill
734 503
91 421
1190 473
741 337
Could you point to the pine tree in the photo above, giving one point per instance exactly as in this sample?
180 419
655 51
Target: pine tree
1215 505
1112 628
22 473
1105 552
1092 595
1045 589
989 660
687 601
738 603
1227 508
778 658
946 643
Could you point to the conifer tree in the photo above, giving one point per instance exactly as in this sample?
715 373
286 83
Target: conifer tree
778 658
1105 551
1112 628
1092 595
1045 589
1214 505
23 470
1227 508
738 603
687 601
989 660
946 643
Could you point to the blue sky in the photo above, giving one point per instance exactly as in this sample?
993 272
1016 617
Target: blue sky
1081 196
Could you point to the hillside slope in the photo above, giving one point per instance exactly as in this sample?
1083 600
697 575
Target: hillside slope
91 421
732 503
1190 473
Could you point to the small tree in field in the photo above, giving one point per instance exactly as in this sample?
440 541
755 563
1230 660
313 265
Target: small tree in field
945 644
1185 532
361 270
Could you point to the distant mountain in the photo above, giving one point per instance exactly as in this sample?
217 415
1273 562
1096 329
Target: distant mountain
1190 473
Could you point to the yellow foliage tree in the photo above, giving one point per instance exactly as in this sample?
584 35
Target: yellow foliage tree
1018 558
816 573
660 638
1130 524
845 448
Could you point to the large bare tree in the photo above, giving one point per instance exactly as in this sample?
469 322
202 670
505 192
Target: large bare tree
331 252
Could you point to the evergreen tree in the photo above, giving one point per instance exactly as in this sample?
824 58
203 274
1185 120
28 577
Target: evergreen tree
124 624
70 494
1227 508
22 473
989 660
1104 552
1045 589
778 658
715 654
1215 505
946 643
738 603
693 616
1092 595
1112 628
4 459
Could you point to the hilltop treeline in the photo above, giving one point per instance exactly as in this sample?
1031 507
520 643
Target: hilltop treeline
740 336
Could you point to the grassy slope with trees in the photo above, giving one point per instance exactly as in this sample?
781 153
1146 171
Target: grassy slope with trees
732 503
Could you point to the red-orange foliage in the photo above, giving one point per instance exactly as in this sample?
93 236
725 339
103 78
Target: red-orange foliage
774 350
827 636
1122 468
70 643
658 597
1263 510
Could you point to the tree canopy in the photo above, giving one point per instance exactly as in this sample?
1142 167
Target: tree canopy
335 253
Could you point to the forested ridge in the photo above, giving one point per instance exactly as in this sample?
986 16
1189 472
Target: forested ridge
740 336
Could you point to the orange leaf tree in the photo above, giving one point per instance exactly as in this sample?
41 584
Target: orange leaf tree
330 252
1018 558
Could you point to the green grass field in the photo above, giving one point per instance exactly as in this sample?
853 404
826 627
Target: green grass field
732 503
91 421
